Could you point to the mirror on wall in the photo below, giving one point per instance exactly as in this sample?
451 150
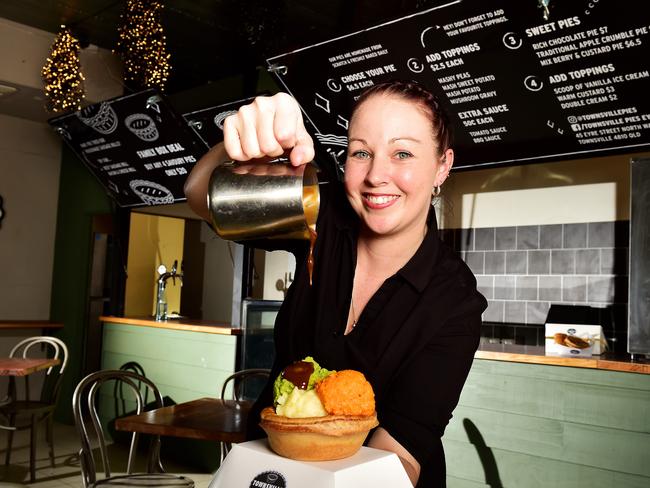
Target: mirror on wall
164 234
273 273
168 234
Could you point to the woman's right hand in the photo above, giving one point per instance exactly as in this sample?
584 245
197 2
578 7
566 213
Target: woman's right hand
268 126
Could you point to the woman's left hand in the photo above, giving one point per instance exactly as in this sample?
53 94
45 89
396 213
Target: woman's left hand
381 439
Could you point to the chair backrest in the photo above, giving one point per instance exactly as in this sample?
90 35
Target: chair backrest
89 426
56 349
239 379
118 388
133 366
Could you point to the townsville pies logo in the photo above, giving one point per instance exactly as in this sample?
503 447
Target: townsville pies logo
268 479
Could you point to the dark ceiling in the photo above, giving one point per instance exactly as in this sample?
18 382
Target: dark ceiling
212 39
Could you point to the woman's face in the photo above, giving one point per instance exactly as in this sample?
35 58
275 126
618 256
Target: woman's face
393 163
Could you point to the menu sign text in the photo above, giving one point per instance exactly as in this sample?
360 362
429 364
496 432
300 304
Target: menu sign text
520 83
136 145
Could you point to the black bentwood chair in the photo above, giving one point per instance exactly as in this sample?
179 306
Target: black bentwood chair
118 389
24 412
239 381
87 421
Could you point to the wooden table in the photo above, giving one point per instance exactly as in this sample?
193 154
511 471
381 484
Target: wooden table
30 324
206 418
25 366
22 367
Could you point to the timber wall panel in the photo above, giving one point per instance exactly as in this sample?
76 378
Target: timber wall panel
183 365
550 426
522 470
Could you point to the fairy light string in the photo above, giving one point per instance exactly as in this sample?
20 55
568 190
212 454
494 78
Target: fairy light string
62 77
142 45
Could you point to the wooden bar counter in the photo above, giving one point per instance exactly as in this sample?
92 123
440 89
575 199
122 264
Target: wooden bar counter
536 355
206 326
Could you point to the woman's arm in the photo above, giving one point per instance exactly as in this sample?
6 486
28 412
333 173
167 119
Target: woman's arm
424 394
196 185
381 439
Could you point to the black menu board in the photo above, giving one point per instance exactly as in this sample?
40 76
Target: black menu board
208 122
521 82
139 148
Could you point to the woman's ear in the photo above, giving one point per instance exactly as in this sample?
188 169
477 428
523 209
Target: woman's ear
446 162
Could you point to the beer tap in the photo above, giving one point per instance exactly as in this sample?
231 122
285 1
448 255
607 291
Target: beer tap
164 275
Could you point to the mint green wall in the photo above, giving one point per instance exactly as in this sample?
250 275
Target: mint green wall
183 365
536 426
80 197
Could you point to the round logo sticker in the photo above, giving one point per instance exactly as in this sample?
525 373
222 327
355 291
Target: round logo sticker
269 479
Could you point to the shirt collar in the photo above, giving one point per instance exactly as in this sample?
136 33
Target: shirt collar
418 270
347 219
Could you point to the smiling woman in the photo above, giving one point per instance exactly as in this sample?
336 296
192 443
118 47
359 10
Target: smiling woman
387 298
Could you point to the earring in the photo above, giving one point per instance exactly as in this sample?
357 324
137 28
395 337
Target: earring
434 193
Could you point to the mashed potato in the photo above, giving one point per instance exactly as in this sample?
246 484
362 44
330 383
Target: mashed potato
301 404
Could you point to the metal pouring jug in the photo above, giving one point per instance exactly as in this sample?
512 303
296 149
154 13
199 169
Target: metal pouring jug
258 199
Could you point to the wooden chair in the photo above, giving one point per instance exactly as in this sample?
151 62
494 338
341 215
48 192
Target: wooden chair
25 413
118 388
239 380
90 429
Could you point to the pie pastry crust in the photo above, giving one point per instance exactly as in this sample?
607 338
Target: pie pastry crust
316 438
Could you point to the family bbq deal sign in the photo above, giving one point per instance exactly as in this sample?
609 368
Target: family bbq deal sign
137 146
521 83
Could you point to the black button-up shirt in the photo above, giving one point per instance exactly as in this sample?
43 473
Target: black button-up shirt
414 341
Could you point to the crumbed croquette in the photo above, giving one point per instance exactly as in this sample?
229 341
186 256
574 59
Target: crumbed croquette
346 392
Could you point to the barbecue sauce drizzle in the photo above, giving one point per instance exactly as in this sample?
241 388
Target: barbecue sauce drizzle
310 205
298 373
310 257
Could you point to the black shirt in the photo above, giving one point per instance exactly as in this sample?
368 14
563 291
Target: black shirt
414 341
